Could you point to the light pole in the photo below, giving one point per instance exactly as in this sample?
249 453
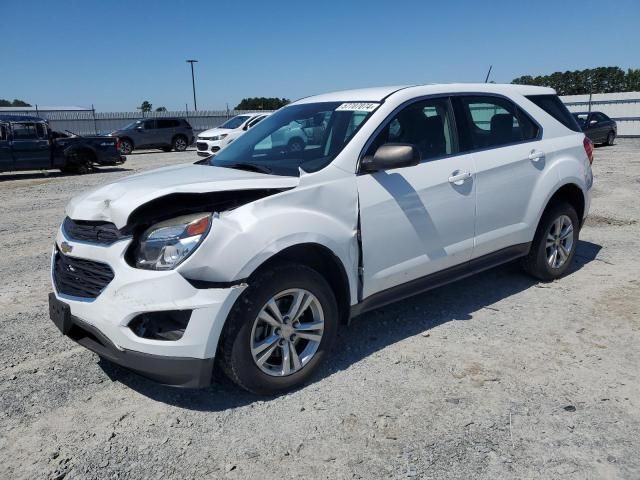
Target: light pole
193 84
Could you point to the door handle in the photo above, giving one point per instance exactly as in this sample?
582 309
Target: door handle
535 156
458 177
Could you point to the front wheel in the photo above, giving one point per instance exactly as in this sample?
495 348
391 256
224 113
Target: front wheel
126 147
554 244
280 330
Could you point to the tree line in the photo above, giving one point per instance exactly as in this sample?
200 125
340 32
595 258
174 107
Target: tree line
590 80
15 103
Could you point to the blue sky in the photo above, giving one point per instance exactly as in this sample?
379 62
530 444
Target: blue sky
116 54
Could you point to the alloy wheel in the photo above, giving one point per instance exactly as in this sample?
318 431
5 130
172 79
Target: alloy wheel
287 332
559 242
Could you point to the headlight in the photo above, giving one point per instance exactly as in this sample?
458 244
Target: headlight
219 137
164 245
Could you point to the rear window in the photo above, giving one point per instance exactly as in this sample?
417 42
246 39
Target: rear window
554 107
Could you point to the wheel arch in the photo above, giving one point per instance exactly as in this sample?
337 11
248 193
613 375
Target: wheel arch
570 193
324 261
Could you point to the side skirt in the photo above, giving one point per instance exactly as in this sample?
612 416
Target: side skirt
438 279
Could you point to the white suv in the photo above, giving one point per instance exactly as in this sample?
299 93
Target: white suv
213 140
251 260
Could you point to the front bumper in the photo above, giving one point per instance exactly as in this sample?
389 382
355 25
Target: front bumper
176 371
133 292
208 147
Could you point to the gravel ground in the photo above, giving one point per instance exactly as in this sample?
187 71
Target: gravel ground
495 376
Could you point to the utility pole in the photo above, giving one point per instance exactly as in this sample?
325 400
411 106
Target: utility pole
193 84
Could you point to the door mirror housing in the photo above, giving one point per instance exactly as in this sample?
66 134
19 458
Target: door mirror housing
392 155
593 122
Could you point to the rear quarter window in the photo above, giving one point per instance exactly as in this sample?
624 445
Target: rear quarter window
554 107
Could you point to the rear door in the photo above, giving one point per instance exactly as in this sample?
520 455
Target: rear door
417 220
31 146
165 129
6 159
509 158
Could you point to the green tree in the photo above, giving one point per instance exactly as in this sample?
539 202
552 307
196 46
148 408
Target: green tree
145 107
15 103
161 109
590 80
262 103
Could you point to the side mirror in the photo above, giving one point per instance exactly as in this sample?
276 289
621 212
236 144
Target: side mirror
139 129
593 122
392 155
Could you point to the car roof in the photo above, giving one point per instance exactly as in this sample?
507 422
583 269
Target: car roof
378 94
20 118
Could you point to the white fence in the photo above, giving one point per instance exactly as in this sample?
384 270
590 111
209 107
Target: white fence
622 107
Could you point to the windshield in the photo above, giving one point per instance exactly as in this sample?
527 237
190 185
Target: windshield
581 118
307 136
235 122
133 125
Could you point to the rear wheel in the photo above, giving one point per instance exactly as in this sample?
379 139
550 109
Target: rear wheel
554 244
611 138
180 143
279 330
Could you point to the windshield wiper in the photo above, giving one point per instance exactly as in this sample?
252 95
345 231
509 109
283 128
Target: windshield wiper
251 167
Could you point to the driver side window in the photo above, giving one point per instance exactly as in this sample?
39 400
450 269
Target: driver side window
425 124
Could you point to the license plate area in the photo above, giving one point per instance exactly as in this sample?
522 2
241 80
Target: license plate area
60 314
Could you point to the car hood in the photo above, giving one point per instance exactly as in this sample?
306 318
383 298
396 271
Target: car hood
214 131
115 201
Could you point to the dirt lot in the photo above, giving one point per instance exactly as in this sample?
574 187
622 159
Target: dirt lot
492 377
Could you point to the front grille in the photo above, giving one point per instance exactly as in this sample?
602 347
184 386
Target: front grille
103 233
79 277
201 146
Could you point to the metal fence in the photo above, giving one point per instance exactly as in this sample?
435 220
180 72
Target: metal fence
90 122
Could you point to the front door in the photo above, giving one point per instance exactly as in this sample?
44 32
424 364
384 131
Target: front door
417 220
31 146
147 135
6 159
509 159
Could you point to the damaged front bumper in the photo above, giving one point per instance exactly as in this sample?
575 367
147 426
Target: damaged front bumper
102 324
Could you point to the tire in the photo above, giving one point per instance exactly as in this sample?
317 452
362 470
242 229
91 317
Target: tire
244 330
611 138
180 143
540 261
78 164
296 145
166 149
126 146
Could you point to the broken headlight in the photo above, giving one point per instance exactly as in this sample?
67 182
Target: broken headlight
164 245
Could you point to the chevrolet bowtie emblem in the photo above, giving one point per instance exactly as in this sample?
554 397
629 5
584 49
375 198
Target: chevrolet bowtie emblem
65 247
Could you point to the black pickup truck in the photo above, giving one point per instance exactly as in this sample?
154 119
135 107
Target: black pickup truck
27 143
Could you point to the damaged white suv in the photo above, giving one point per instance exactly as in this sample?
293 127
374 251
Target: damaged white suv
251 260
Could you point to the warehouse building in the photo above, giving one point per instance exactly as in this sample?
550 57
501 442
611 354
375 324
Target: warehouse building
622 107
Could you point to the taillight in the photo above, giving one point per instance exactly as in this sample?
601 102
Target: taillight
588 148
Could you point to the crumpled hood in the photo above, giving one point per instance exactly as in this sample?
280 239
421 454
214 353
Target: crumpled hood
115 201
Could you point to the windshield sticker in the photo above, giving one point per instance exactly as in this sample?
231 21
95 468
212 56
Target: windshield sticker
357 107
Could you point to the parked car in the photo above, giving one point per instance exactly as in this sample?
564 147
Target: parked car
252 259
28 143
597 126
213 140
166 133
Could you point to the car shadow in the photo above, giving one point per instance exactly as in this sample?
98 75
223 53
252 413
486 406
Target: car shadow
368 333
156 151
57 174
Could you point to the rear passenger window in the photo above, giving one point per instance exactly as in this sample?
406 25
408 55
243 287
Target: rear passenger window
41 130
167 123
554 107
426 125
494 122
149 124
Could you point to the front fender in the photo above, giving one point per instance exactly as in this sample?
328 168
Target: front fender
243 239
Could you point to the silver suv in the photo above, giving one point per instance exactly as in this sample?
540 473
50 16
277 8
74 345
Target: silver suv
164 133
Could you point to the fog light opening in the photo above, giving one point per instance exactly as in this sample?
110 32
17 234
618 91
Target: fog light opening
168 325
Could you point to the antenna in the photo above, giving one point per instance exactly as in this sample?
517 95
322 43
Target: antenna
488 73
